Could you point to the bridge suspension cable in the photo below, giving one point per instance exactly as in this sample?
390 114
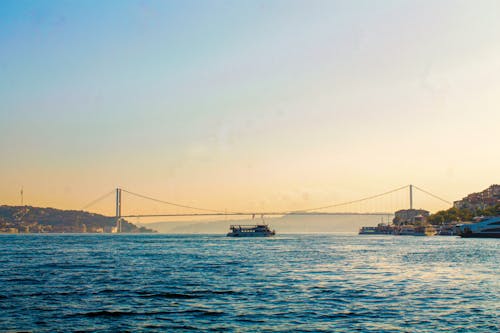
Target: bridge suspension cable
353 201
215 212
97 200
172 203
432 195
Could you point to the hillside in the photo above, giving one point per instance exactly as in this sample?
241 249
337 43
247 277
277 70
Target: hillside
30 219
483 203
462 214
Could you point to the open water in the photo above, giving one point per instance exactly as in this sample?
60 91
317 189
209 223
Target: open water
309 283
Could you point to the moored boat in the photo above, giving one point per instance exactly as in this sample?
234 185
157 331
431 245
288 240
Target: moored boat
410 230
381 229
447 230
484 227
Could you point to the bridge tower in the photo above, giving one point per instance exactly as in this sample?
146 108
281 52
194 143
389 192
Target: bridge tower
411 196
119 209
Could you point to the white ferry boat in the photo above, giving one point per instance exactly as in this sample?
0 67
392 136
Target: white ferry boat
485 227
251 230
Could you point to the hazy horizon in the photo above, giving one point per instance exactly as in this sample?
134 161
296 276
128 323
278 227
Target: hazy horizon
288 224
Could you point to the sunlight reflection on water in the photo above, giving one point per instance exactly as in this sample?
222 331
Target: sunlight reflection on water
292 282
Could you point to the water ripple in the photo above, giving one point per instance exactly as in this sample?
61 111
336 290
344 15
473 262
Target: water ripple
300 283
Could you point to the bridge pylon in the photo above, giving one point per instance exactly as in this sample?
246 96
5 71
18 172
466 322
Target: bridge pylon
411 196
118 209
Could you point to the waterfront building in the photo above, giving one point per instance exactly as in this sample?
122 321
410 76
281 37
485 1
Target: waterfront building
410 216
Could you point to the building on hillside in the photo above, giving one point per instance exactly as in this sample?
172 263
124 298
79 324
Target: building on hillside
410 216
480 200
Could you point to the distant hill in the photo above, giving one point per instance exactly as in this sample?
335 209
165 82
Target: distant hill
30 219
484 203
284 224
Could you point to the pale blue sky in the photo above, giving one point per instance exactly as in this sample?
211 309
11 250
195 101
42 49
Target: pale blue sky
324 100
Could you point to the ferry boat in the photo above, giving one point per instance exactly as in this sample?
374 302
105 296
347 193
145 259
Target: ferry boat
381 229
250 230
405 230
447 230
410 230
485 227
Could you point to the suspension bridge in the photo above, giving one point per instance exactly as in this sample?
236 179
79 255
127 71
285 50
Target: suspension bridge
353 207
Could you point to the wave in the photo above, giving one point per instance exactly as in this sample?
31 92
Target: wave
169 295
117 313
103 313
195 294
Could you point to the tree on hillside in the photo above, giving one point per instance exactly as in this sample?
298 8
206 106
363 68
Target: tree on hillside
458 215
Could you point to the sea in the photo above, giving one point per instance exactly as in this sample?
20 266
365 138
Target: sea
286 283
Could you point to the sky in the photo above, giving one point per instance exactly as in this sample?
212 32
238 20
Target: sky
241 105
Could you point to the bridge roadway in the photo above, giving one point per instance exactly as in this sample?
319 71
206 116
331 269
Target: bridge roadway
254 214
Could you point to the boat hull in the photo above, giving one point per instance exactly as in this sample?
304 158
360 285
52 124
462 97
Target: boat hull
481 235
486 227
374 233
249 234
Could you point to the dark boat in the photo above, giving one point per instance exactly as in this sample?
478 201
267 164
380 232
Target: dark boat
257 230
381 229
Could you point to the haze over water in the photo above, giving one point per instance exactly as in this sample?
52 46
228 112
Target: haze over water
307 283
